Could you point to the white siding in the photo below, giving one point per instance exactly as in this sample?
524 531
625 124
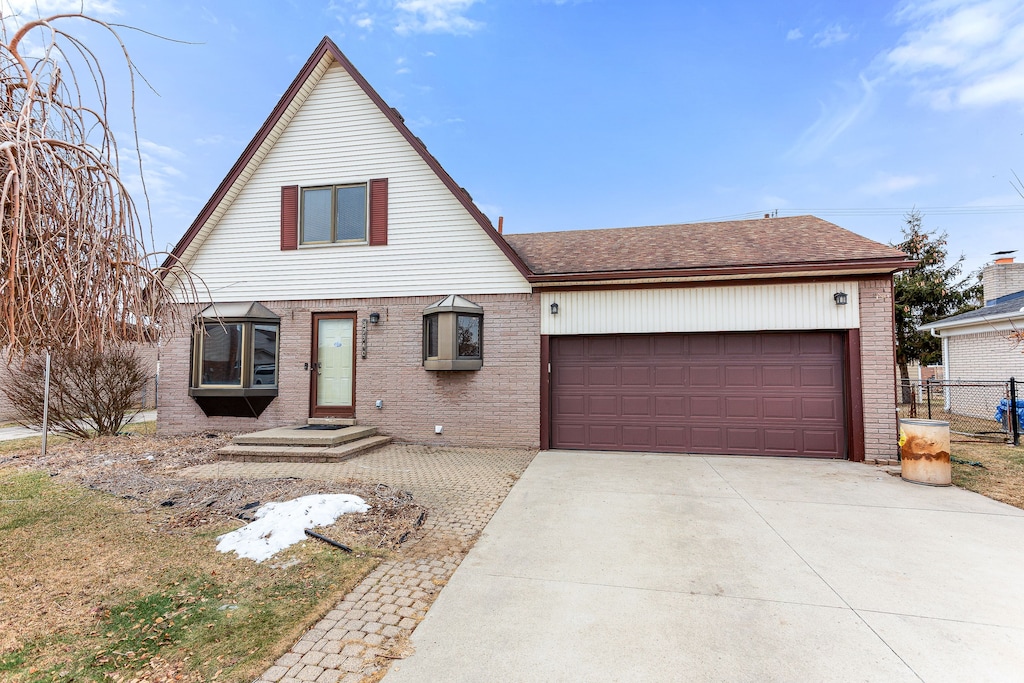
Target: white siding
738 308
338 135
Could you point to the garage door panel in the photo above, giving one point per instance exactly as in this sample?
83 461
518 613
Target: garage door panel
570 435
637 437
604 436
669 406
705 376
602 346
669 347
669 376
570 376
825 408
778 344
703 345
739 344
603 375
603 406
757 393
705 406
672 439
742 439
818 376
637 406
780 407
740 376
817 344
570 405
779 375
780 441
741 407
636 376
636 345
824 441
706 437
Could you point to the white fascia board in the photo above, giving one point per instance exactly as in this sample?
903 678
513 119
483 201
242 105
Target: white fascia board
1005 322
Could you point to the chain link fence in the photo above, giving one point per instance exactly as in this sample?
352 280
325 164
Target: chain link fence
972 407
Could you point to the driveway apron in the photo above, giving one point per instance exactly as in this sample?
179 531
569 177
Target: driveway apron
630 567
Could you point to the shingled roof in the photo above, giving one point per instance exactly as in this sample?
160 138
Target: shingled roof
797 243
1011 306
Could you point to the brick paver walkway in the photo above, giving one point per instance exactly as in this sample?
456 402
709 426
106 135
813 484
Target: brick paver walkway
370 627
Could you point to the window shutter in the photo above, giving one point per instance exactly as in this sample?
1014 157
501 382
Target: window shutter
289 217
378 212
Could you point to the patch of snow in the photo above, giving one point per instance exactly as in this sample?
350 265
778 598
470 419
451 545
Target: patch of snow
279 525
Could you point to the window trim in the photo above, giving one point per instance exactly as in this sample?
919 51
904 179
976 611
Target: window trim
365 239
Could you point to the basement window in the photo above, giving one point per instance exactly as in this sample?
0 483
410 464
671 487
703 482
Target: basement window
235 350
453 335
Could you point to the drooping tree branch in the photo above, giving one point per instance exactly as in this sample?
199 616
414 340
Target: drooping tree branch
74 268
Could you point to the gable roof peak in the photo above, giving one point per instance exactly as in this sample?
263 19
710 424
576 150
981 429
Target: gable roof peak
271 128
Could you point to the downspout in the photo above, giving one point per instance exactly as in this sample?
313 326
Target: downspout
945 367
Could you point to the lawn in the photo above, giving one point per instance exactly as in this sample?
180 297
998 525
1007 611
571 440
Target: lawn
1000 476
109 568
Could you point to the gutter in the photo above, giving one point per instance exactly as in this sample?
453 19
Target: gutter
935 329
863 266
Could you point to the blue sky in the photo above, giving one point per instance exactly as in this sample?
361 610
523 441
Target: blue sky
562 114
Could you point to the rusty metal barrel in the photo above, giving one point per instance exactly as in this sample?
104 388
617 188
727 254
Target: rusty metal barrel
924 452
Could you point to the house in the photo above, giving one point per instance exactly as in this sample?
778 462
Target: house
348 276
976 345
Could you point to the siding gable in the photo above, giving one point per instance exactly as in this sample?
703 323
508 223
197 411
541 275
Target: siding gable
423 238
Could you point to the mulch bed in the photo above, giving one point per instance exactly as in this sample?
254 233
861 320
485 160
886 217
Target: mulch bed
146 469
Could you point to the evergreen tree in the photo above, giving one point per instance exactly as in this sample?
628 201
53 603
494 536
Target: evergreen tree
929 291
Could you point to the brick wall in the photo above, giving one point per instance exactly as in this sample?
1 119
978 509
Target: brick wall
1000 279
987 355
878 374
497 405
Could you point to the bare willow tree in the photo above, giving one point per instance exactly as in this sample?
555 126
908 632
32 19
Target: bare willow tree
74 268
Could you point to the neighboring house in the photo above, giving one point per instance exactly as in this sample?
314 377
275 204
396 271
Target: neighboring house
353 278
976 345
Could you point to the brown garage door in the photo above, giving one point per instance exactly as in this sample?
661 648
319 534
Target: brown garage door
778 393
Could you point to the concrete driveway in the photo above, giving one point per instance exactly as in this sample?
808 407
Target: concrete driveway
627 567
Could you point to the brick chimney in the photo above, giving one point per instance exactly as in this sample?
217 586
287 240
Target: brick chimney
1001 278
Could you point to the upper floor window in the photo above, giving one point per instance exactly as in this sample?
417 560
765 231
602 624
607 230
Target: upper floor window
335 213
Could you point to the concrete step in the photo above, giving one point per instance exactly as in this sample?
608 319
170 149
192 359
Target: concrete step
300 436
343 421
256 453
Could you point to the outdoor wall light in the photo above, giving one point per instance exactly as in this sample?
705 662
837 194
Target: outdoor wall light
841 298
554 309
374 318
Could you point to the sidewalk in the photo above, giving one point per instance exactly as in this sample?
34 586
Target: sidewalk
13 433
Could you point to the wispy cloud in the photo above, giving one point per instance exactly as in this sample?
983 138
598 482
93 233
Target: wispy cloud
887 184
794 34
33 9
830 35
836 117
967 53
435 16
406 17
209 140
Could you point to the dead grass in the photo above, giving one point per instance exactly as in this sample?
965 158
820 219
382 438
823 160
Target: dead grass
1001 476
108 569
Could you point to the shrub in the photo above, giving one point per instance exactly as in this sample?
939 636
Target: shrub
92 392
